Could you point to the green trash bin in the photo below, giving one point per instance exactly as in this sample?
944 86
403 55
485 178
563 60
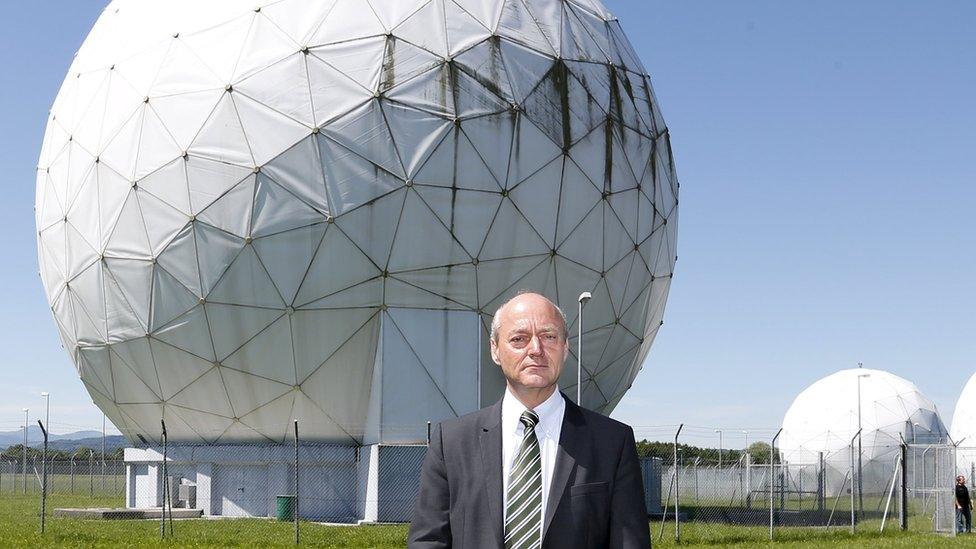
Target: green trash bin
285 510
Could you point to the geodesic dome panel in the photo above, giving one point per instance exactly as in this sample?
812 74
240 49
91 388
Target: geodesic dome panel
823 419
233 200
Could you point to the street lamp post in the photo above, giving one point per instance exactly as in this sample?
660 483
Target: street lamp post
47 410
860 451
747 493
47 427
103 452
24 465
719 431
583 298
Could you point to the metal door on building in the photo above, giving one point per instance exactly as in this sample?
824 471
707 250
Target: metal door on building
241 490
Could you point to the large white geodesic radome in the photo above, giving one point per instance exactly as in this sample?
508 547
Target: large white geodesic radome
963 428
250 213
823 419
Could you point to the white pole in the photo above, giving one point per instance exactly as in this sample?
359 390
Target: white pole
103 451
860 485
719 431
47 412
772 472
853 472
747 493
677 494
24 467
891 492
583 298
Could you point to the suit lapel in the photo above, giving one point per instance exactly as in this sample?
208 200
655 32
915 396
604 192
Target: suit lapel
571 438
491 460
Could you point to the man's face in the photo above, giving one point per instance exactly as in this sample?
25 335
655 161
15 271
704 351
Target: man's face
961 480
531 346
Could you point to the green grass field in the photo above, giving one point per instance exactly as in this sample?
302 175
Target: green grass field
19 527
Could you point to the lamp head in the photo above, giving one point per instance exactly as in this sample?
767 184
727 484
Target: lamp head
584 297
45 394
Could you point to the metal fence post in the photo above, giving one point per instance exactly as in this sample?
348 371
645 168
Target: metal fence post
24 464
742 482
821 483
677 492
936 481
799 483
782 486
91 474
296 484
43 477
924 474
103 454
162 515
748 490
903 508
853 484
772 481
72 469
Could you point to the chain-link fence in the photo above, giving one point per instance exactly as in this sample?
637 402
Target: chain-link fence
293 483
82 476
693 494
752 497
932 486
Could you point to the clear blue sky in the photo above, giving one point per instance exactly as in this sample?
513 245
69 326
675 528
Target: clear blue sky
826 154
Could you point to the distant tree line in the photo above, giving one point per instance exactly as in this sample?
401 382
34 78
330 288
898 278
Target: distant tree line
758 452
16 453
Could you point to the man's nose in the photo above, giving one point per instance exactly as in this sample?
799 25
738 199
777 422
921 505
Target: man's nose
535 345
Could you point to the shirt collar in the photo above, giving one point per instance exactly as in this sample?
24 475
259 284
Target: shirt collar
550 412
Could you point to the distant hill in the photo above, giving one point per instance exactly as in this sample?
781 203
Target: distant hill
111 444
65 441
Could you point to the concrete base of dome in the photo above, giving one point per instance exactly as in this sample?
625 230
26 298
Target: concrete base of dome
342 484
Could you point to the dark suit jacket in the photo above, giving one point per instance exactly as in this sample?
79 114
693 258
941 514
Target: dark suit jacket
596 497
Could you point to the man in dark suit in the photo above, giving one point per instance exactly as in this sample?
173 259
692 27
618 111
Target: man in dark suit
534 470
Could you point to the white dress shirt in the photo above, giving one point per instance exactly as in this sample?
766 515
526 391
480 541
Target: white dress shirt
547 431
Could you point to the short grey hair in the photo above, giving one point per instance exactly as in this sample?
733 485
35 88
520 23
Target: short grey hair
496 322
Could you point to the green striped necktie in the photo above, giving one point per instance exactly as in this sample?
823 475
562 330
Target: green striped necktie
523 507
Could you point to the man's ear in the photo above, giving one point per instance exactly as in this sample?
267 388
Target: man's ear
494 352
